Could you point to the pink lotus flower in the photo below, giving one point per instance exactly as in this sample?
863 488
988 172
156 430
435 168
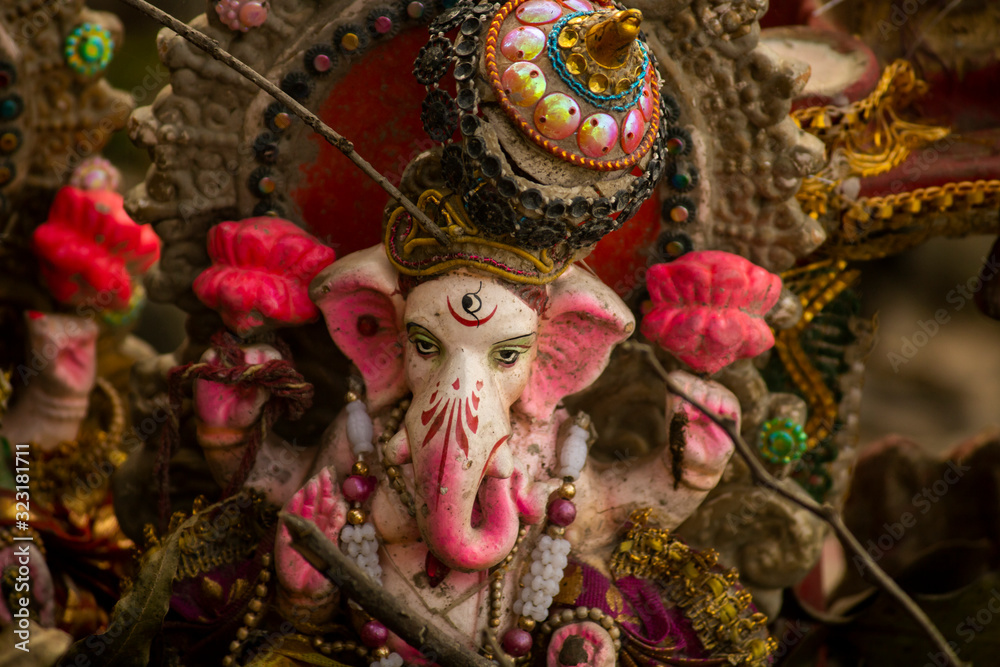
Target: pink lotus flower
260 273
89 249
708 308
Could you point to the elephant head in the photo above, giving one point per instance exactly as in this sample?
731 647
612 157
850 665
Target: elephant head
65 348
473 349
56 380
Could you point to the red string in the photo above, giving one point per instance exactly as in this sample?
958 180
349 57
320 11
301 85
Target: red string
290 397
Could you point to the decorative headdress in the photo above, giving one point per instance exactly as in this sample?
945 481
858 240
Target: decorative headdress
90 251
556 135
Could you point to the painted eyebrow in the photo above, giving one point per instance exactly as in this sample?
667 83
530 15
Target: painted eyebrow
410 326
515 339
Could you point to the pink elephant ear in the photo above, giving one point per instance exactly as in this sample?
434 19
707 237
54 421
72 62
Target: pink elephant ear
360 301
583 322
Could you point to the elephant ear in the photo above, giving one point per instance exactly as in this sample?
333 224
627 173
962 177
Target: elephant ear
360 301
582 323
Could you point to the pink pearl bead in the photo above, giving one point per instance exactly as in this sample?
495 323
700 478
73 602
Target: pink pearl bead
357 488
383 24
557 116
517 642
598 135
562 512
322 63
646 103
524 83
539 12
374 634
253 14
524 43
633 130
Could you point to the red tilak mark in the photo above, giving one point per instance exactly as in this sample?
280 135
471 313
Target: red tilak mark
471 418
479 385
436 426
433 397
470 323
455 385
475 401
490 457
444 454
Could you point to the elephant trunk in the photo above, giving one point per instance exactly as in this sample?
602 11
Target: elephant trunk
463 466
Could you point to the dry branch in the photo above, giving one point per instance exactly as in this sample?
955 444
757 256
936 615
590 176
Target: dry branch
212 48
324 555
826 512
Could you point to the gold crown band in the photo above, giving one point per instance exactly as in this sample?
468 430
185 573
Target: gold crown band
446 209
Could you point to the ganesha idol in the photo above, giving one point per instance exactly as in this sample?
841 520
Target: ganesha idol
454 477
62 436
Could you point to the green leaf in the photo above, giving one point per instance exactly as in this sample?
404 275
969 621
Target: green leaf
138 616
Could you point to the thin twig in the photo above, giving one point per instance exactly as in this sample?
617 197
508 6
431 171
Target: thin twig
925 30
826 512
827 7
212 48
324 555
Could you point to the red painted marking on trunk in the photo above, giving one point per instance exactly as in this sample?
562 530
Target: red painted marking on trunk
470 323
463 440
433 397
456 384
475 401
490 457
471 418
436 426
479 385
426 415
444 455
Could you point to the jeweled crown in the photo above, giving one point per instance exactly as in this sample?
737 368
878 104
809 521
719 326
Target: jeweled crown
555 136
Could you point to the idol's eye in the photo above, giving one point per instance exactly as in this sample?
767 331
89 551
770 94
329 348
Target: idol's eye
425 346
507 356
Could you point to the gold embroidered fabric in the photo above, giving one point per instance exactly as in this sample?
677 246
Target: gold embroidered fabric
720 614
